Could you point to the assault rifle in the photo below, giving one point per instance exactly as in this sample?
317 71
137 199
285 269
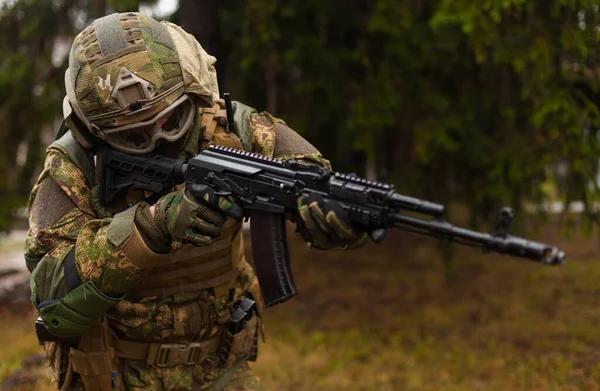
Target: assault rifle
268 190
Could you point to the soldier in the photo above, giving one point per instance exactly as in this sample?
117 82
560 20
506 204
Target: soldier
147 287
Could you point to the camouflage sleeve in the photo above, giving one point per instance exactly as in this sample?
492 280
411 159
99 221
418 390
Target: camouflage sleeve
114 266
58 208
290 145
109 252
272 137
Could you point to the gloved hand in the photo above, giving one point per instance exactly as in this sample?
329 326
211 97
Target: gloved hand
194 219
324 225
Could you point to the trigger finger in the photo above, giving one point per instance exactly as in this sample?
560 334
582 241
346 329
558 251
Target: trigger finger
203 193
230 207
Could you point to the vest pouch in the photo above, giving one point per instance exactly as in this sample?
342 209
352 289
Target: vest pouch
213 125
95 360
243 344
228 140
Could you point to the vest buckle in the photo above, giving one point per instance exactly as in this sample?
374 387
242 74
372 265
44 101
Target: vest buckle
172 354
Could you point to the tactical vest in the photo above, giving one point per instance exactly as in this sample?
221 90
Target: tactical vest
190 268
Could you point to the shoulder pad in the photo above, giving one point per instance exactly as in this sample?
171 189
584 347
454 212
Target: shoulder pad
241 118
77 154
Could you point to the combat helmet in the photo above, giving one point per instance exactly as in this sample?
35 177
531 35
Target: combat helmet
132 81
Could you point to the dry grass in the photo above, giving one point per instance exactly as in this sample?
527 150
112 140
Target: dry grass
387 317
17 340
19 353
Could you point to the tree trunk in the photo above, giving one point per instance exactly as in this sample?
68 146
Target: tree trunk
271 83
201 19
99 9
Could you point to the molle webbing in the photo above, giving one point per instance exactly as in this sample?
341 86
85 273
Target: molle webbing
213 128
191 268
187 288
207 126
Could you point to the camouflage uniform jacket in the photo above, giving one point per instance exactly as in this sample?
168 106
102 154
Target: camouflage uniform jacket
75 220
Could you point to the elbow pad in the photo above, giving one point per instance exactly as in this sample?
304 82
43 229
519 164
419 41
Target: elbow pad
73 314
67 307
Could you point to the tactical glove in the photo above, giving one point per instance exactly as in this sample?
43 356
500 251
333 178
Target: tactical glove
324 225
196 218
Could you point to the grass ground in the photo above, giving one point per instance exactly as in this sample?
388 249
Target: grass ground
389 317
16 341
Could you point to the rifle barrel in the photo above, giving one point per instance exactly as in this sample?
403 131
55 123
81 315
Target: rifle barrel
416 205
511 245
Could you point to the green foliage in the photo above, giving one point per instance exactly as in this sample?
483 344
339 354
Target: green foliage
127 5
30 99
469 101
478 102
33 34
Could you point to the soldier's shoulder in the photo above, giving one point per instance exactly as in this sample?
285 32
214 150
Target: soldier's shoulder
67 154
70 170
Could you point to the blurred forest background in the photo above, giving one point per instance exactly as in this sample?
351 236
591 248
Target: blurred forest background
483 102
474 103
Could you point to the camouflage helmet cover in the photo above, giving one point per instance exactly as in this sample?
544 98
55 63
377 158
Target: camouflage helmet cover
127 70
